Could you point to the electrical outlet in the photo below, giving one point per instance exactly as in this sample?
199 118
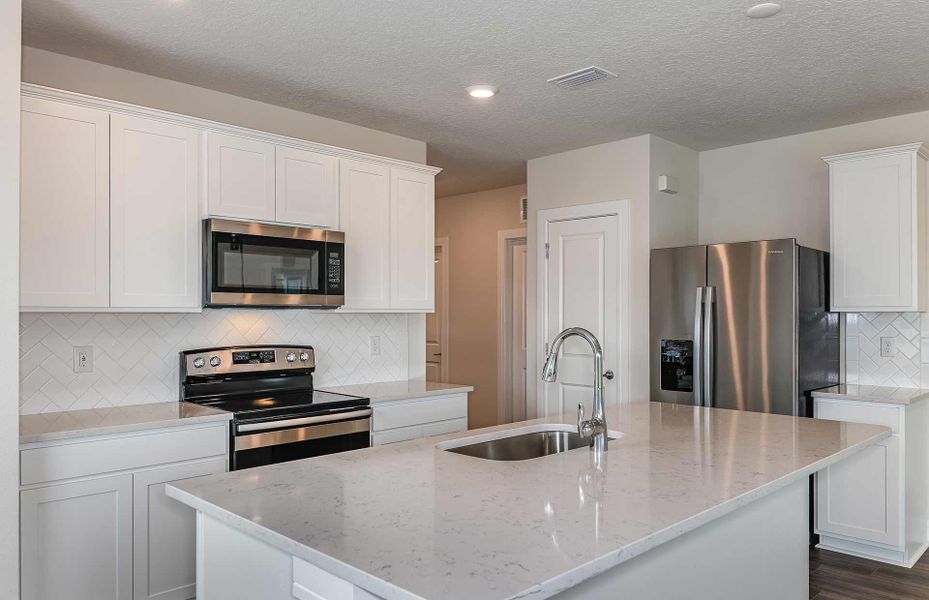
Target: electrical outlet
375 343
83 359
888 347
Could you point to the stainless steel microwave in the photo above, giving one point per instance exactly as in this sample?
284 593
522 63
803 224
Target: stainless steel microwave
257 264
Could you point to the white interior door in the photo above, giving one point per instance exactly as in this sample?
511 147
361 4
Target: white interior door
436 323
516 324
580 290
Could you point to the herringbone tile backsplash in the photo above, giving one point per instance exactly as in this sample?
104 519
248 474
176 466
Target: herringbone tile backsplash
136 355
863 361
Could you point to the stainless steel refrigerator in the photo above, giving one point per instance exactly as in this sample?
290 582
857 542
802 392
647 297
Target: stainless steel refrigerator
742 326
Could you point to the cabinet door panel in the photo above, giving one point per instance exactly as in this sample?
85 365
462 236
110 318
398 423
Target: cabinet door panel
859 497
155 215
77 540
364 204
412 240
307 188
240 176
873 216
64 201
165 541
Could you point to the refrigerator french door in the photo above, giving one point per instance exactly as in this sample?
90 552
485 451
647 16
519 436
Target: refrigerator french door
741 326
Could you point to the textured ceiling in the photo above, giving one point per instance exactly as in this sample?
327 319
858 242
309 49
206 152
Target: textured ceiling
695 72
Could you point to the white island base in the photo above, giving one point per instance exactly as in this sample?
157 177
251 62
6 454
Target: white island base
757 551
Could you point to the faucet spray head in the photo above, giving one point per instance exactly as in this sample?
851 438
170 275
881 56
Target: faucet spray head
550 369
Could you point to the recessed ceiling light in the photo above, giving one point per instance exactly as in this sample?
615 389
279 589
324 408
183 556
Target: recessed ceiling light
763 11
481 91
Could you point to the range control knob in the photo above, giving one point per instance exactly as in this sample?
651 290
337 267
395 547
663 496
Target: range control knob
291 357
215 361
304 356
199 362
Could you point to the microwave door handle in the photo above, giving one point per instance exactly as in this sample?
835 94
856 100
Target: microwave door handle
698 348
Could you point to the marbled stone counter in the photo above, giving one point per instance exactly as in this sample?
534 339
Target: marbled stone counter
873 393
410 521
46 427
387 391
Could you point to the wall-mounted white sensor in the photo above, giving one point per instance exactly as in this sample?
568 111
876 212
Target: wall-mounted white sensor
667 184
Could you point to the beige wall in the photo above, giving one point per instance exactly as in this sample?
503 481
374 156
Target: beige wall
9 296
471 222
779 188
673 217
65 72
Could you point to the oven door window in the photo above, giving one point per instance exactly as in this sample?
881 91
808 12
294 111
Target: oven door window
264 265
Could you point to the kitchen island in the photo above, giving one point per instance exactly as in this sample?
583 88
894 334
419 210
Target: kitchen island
688 502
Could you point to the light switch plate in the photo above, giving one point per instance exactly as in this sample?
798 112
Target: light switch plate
83 359
375 343
888 347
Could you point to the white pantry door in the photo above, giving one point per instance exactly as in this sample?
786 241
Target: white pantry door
580 290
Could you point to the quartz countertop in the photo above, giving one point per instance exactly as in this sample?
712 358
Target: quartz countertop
46 427
410 521
873 393
386 391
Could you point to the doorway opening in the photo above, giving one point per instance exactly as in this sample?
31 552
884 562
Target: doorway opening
437 357
511 337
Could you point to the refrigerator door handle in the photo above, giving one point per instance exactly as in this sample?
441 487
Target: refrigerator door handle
698 345
709 340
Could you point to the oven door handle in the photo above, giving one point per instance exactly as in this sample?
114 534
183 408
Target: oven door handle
267 425
302 434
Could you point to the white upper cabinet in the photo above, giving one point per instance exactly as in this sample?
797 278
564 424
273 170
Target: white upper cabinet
412 240
154 214
307 191
365 218
64 206
240 177
878 212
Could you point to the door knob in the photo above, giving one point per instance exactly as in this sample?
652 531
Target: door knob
608 374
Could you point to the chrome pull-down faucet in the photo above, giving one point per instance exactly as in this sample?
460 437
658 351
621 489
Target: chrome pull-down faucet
594 427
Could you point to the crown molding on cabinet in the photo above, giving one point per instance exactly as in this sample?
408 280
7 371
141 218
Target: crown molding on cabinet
39 91
918 147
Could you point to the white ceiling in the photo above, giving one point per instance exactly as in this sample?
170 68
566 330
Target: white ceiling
695 72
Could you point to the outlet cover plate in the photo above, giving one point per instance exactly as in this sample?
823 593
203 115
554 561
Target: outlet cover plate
83 359
888 347
375 343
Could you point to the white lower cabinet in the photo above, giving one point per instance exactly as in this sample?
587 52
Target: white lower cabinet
113 536
164 539
76 540
402 420
875 504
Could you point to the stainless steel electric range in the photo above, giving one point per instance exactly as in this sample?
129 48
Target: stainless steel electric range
277 415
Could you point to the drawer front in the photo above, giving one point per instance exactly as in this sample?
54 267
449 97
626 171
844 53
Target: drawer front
392 436
443 427
91 457
868 413
405 413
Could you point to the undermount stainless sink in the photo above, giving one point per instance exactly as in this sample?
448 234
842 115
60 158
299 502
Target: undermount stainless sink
520 446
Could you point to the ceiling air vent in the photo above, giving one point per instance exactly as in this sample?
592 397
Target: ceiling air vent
582 77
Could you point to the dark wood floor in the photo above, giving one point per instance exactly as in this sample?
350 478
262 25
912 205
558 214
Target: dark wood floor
839 577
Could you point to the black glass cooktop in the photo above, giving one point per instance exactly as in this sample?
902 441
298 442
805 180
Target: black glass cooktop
284 404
